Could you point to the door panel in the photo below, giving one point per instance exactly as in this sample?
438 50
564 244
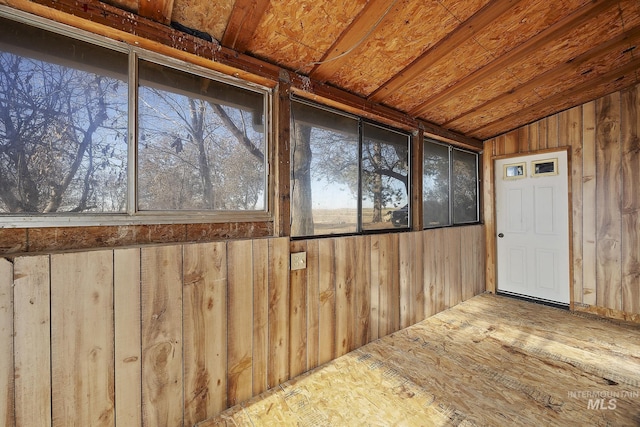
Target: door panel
532 222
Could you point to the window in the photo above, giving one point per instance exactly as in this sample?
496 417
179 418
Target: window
348 176
69 107
450 185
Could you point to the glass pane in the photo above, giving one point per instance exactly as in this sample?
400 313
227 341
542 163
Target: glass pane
63 124
465 187
201 143
385 179
435 183
324 162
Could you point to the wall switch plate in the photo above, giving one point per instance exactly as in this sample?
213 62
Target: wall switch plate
298 261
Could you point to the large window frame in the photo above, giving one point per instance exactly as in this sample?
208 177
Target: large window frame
449 219
355 129
133 215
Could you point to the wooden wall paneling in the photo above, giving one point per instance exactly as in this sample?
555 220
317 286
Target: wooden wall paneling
440 268
453 277
389 284
543 134
480 253
406 288
552 132
362 284
511 144
345 295
7 408
488 207
32 341
499 145
327 309
589 201
374 309
205 330
468 266
631 200
608 199
260 363
82 339
240 321
570 134
278 311
313 303
523 139
533 133
162 358
428 272
417 273
127 345
298 315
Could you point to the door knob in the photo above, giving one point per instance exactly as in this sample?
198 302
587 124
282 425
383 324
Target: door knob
501 235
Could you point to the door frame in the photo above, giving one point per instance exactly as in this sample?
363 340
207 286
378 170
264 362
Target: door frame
490 220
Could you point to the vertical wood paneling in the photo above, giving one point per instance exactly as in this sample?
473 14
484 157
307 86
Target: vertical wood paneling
417 274
82 336
543 134
362 283
345 295
128 357
278 311
374 257
468 268
205 330
570 131
631 200
326 286
298 316
608 202
429 273
240 321
589 203
162 360
389 284
7 411
511 145
534 136
452 279
260 315
406 291
552 132
32 341
523 139
313 304
488 206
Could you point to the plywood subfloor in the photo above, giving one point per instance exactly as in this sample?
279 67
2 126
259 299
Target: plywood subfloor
489 361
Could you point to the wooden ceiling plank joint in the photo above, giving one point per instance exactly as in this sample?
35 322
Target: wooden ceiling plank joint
466 30
573 67
156 10
360 28
491 129
244 20
560 28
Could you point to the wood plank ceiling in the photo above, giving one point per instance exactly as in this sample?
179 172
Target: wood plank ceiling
476 67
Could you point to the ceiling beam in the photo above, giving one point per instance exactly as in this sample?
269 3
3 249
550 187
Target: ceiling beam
476 23
580 65
557 30
360 28
156 10
610 82
244 20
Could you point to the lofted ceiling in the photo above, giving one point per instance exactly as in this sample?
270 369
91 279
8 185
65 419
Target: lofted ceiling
476 67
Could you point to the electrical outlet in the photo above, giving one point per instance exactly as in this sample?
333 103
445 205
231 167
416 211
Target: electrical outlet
298 261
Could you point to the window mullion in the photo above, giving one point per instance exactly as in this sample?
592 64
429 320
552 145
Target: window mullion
360 142
132 170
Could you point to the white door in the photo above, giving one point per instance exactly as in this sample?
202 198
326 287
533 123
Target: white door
532 223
